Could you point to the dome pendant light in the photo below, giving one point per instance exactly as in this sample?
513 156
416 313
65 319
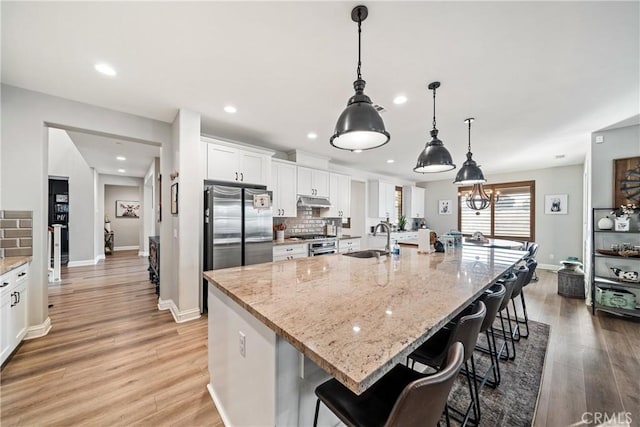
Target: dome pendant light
435 157
359 127
478 199
470 172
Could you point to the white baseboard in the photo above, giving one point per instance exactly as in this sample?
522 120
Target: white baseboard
99 257
126 248
143 253
552 267
38 331
178 316
223 415
82 263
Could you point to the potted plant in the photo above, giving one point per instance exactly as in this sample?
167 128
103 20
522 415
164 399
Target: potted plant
279 229
622 215
402 222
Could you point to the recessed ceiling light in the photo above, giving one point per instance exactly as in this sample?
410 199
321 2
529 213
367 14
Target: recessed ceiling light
230 109
357 151
121 158
390 161
312 135
105 69
400 99
560 156
121 170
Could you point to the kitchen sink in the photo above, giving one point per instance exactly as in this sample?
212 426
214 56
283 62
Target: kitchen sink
368 253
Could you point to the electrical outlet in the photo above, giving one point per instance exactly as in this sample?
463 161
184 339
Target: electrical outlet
243 344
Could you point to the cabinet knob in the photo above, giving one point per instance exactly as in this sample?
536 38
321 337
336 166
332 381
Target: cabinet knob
241 177
236 176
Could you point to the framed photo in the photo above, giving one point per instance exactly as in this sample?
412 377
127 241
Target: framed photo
626 181
556 204
62 198
445 207
127 209
174 198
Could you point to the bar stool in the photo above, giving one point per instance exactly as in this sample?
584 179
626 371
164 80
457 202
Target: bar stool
532 247
509 283
492 299
524 277
432 353
403 397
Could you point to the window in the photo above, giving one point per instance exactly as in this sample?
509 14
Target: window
511 217
397 202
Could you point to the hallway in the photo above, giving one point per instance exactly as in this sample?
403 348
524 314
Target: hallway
111 357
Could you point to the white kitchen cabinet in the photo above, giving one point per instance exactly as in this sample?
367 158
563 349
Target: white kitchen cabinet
288 252
340 196
381 200
283 185
413 202
313 182
13 309
348 245
234 163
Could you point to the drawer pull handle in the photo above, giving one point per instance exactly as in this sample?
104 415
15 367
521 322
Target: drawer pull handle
24 273
4 284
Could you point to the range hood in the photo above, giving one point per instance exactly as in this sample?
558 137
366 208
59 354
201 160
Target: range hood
314 202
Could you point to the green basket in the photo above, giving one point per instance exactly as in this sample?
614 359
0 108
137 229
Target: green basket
618 298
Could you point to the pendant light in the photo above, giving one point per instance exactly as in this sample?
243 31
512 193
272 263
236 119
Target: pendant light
359 127
478 199
435 157
470 172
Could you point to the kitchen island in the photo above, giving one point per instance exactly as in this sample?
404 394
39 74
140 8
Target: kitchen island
277 330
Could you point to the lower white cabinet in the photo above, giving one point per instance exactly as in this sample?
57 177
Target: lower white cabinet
293 251
348 245
14 293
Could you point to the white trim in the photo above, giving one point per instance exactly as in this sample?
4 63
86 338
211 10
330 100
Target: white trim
99 257
126 248
38 331
143 253
552 267
178 316
82 263
223 415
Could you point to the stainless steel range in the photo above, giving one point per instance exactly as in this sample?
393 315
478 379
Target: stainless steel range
320 244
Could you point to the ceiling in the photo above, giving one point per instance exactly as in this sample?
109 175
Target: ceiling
101 153
538 77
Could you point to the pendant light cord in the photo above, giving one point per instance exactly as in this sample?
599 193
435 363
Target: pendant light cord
359 43
434 108
469 122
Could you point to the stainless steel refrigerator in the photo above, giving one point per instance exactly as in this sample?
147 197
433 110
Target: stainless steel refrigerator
238 228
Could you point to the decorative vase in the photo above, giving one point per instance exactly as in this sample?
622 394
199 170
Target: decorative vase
605 223
280 235
622 224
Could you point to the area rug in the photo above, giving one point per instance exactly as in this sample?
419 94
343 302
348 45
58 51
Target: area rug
513 402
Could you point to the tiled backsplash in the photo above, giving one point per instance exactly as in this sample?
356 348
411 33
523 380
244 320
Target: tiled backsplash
307 222
16 233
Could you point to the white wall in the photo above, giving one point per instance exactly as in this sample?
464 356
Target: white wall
358 203
25 152
126 230
559 236
65 160
105 180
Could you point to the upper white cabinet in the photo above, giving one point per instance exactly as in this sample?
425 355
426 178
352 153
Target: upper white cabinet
381 200
235 163
283 185
313 182
339 195
413 202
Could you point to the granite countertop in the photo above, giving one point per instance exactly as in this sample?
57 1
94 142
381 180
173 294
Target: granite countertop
9 263
357 318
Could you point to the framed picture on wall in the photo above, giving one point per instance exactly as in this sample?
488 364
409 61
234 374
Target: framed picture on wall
174 198
626 181
445 207
127 209
556 204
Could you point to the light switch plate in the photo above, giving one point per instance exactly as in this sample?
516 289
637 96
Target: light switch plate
243 344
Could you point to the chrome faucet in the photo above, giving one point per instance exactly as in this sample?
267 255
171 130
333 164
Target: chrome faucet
388 227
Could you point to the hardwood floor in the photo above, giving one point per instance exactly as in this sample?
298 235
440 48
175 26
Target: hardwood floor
113 359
